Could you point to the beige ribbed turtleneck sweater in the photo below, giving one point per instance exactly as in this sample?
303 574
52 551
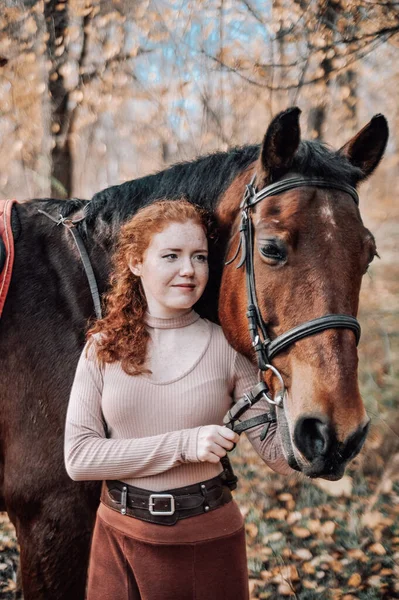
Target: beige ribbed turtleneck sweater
143 429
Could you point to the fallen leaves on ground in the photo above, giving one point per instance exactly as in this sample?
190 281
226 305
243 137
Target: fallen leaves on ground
9 552
306 540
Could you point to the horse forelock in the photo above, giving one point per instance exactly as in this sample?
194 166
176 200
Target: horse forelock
315 159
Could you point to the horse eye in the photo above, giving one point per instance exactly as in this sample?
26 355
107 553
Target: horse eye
371 257
370 247
273 252
373 254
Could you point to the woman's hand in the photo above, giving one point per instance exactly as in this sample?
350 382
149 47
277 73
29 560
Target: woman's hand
214 441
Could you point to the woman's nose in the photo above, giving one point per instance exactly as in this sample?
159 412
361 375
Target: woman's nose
187 268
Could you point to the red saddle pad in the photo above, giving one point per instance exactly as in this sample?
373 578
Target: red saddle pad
8 243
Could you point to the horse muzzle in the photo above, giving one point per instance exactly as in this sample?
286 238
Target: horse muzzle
314 448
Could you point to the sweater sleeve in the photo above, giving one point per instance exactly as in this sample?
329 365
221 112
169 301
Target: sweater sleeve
90 455
271 448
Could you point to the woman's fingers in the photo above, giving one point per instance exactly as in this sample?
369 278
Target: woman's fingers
217 449
224 443
211 452
214 441
228 434
212 458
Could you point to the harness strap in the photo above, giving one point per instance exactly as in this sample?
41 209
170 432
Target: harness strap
91 278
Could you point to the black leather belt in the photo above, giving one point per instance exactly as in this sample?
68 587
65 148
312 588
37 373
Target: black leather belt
168 507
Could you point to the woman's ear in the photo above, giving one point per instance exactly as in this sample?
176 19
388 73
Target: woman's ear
135 268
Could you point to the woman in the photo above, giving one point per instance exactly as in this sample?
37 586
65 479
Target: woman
151 389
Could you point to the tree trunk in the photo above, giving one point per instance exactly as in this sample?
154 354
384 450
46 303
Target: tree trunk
347 82
317 114
56 17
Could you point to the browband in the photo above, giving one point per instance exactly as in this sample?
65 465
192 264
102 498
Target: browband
294 182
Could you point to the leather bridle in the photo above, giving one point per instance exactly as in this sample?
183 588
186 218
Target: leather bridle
266 348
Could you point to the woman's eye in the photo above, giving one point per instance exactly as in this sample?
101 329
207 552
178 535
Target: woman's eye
202 258
273 252
170 256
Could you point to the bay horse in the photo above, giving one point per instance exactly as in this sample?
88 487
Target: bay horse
310 250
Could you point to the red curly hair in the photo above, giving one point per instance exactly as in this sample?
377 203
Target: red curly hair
124 337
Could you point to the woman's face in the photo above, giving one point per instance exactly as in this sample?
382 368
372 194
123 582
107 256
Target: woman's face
174 269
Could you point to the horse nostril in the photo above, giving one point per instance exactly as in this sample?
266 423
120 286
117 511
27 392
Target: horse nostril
355 442
312 437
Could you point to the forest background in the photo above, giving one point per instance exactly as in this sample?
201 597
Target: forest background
94 93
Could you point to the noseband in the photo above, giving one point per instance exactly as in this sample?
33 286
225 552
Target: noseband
265 348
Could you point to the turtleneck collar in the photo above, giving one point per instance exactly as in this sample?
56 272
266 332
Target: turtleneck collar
171 322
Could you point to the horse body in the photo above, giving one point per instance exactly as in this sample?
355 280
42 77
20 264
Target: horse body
41 336
46 313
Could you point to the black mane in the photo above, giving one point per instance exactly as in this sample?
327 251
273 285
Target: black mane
203 181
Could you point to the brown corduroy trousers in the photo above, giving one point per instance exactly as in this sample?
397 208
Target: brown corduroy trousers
199 558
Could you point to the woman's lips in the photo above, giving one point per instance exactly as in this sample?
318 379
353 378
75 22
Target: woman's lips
185 286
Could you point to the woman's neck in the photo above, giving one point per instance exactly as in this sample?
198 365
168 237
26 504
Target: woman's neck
172 322
164 313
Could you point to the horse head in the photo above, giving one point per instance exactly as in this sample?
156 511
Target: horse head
309 251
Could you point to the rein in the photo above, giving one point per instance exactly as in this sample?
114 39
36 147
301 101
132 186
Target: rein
265 348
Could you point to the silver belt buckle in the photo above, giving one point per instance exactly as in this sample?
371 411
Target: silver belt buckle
154 497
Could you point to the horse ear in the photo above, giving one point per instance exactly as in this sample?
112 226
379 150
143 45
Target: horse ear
281 141
366 148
